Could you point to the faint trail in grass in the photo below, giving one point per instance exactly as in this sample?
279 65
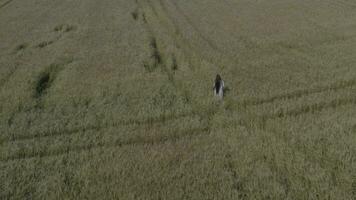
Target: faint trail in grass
62 29
199 33
153 8
65 28
44 44
342 4
160 119
192 55
166 20
6 3
170 18
152 34
117 143
311 108
187 19
300 93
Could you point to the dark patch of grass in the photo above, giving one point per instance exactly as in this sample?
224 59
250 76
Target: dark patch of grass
148 67
174 63
58 28
64 28
153 43
43 83
353 185
134 14
155 57
144 18
186 96
155 53
46 78
10 120
44 44
21 47
69 28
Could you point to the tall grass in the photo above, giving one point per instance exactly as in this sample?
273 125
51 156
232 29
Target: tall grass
121 105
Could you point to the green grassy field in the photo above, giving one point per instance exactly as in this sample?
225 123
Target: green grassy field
112 99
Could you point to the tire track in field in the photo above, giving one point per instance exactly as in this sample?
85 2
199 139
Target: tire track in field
163 19
158 56
314 108
176 42
310 108
162 119
337 38
182 45
73 131
178 39
196 29
193 56
211 43
301 93
156 52
46 75
32 27
117 143
6 3
170 18
172 21
189 49
341 4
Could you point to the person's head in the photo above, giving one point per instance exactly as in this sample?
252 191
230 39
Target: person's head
218 78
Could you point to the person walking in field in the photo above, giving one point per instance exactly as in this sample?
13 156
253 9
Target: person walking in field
219 87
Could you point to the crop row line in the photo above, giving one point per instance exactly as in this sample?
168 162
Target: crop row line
160 119
300 93
6 3
28 154
311 108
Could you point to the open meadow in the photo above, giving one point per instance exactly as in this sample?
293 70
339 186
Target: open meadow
113 99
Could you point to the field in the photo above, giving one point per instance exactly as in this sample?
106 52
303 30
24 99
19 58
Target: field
112 99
